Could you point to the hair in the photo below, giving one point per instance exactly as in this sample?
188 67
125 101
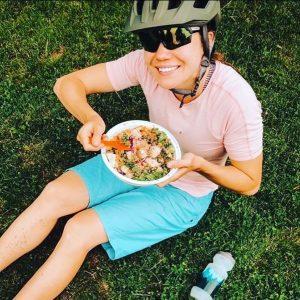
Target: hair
212 26
219 56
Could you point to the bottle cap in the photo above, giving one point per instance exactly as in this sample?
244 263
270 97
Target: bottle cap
199 294
225 259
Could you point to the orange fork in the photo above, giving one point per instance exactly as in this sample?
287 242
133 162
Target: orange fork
115 144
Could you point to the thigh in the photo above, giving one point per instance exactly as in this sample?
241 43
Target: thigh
147 215
100 182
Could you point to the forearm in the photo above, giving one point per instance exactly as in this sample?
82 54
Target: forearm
72 94
226 176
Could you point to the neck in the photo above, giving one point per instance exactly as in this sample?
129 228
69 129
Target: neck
200 89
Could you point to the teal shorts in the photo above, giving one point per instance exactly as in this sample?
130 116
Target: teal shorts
137 217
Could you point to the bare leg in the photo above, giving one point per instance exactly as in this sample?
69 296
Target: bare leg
82 233
65 195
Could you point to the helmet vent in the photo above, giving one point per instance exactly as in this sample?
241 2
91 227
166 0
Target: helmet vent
140 4
154 4
174 4
200 3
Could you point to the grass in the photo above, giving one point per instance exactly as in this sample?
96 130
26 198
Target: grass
42 40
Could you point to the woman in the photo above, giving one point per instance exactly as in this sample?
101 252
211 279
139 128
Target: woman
209 108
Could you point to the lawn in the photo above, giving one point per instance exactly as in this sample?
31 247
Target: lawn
42 40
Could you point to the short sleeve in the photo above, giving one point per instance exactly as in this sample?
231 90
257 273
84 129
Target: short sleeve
125 71
243 138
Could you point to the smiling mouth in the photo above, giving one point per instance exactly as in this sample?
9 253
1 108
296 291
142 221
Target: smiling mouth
167 70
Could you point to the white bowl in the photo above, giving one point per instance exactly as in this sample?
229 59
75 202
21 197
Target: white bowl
132 124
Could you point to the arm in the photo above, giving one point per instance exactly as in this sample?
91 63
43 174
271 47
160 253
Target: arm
241 129
243 177
242 139
72 90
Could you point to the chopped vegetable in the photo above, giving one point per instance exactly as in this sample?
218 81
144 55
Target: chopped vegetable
151 150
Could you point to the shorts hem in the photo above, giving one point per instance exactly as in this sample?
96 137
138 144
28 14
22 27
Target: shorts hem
109 246
84 181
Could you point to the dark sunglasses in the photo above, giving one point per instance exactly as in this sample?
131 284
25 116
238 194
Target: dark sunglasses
171 38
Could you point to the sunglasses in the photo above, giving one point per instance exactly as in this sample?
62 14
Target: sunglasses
171 38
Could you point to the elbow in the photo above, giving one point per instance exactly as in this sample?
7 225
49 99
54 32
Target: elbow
251 192
67 82
57 86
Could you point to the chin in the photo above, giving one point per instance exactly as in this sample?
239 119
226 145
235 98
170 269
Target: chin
167 83
171 85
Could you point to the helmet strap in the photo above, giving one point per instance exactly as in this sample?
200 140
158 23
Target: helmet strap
205 62
192 93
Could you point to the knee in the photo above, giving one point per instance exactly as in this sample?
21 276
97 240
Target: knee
78 234
51 198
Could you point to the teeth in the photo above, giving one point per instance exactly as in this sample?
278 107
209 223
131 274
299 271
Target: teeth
167 69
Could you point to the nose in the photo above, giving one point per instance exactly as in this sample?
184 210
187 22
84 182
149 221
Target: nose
163 53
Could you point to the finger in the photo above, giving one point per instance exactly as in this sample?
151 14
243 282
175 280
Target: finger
162 184
176 176
178 164
97 133
171 163
91 147
85 139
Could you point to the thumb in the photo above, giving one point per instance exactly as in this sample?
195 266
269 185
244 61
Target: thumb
177 164
97 133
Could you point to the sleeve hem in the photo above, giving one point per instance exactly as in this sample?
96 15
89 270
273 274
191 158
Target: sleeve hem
245 158
108 71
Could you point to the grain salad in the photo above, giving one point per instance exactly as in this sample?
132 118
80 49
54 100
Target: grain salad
150 151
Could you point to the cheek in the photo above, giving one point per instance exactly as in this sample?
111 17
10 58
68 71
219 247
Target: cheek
191 54
195 51
190 59
148 57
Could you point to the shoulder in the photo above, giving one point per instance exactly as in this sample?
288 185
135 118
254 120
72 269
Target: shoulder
132 58
235 91
138 53
127 70
135 62
135 56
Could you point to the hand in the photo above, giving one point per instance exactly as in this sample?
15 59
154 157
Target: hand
188 162
90 134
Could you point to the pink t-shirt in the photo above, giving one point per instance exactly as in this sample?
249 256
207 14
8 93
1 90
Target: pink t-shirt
225 120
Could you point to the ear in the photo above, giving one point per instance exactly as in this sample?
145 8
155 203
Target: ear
211 38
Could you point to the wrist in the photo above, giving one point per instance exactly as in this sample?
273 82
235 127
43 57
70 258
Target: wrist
198 163
93 117
96 119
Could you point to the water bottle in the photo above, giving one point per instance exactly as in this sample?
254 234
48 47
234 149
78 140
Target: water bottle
213 276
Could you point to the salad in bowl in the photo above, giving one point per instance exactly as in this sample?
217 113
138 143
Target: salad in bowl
150 148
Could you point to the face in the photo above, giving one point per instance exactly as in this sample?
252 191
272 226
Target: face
176 68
